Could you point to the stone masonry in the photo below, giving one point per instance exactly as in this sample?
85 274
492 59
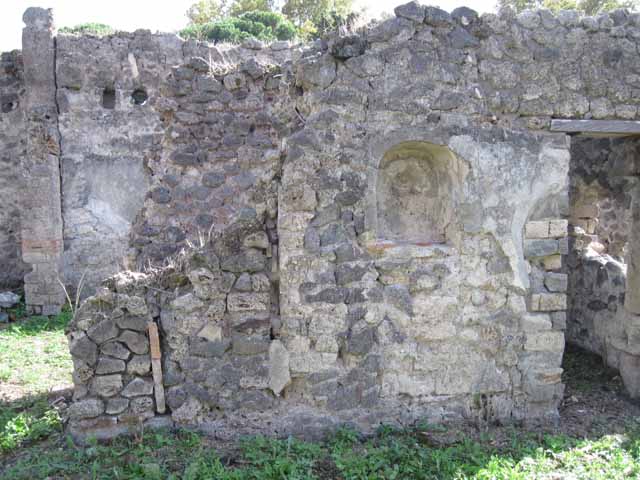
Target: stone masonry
603 179
12 146
371 228
42 233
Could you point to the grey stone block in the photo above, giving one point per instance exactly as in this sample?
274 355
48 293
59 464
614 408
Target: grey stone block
109 365
106 385
540 248
136 342
87 408
84 349
137 387
556 282
9 299
115 349
103 331
131 322
139 365
116 405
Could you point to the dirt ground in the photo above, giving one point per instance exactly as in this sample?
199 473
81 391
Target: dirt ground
595 401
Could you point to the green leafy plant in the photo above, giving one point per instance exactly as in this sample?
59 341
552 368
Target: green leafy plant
99 29
27 421
262 25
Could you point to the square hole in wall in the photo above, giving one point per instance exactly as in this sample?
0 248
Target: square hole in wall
109 98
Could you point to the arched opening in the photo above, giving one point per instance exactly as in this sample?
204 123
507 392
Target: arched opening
416 189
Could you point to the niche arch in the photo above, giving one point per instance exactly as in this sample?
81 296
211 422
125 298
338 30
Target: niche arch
417 187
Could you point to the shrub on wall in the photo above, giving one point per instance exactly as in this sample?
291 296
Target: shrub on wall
262 25
99 29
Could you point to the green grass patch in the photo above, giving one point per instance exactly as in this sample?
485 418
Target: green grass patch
34 358
25 421
391 454
34 354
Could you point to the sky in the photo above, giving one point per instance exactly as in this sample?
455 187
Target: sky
155 15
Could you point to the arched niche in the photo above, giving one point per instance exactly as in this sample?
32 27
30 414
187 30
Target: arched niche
417 184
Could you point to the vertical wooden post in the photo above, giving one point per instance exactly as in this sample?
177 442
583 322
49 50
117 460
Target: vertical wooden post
156 366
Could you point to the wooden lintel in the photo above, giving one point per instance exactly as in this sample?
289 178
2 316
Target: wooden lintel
597 127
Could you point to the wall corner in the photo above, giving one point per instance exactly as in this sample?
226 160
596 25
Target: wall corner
42 242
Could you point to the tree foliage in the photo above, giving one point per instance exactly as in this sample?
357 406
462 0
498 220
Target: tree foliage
220 21
300 11
240 7
267 26
205 11
99 29
317 17
588 7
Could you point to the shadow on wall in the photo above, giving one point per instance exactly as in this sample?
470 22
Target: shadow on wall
602 183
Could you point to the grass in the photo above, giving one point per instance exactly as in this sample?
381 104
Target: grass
34 359
395 455
34 355
27 420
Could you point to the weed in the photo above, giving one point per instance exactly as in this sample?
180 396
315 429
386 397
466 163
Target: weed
26 421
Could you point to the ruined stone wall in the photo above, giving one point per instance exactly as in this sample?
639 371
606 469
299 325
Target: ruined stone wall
380 221
108 139
174 156
513 72
489 68
225 116
603 179
12 147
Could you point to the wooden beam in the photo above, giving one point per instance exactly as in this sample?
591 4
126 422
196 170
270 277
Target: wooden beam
156 366
597 127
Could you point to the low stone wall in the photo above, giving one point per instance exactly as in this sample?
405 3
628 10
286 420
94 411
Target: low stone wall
221 357
112 365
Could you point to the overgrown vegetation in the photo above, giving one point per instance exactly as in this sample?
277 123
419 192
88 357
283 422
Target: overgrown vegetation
27 420
99 29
